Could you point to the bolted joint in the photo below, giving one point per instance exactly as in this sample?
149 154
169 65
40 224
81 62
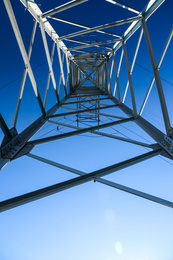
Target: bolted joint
167 145
14 148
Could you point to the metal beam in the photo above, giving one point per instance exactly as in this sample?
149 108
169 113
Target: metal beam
81 25
137 193
158 81
23 51
150 129
119 67
24 76
84 101
63 7
133 63
60 77
123 139
35 11
61 67
106 182
49 60
106 135
117 80
109 76
107 115
124 6
129 20
73 133
130 81
148 10
58 165
96 44
80 111
48 77
53 189
14 148
4 128
158 67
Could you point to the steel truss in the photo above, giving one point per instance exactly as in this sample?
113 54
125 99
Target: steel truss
86 90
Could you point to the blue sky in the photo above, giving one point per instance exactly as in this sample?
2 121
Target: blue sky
91 221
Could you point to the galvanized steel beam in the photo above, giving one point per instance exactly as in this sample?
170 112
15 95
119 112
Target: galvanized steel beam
106 182
73 133
53 189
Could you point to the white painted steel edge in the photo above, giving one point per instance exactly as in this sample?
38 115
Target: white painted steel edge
35 11
148 10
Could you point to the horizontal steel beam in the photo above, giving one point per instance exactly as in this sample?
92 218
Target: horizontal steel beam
84 101
106 135
96 44
73 133
81 25
53 189
117 23
107 115
81 111
79 94
101 114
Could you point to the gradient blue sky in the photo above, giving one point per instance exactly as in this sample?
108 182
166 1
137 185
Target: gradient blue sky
91 221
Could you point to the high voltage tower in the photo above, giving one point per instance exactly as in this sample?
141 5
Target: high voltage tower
83 92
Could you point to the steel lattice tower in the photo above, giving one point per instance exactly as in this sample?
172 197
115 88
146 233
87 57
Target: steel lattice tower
88 91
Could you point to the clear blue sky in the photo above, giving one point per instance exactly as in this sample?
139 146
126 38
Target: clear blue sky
91 221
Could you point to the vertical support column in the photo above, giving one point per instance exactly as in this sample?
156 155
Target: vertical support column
118 72
133 63
116 75
102 76
48 78
60 78
68 70
96 77
61 67
77 113
70 76
98 104
100 79
78 76
74 75
106 77
49 59
109 75
158 81
130 80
